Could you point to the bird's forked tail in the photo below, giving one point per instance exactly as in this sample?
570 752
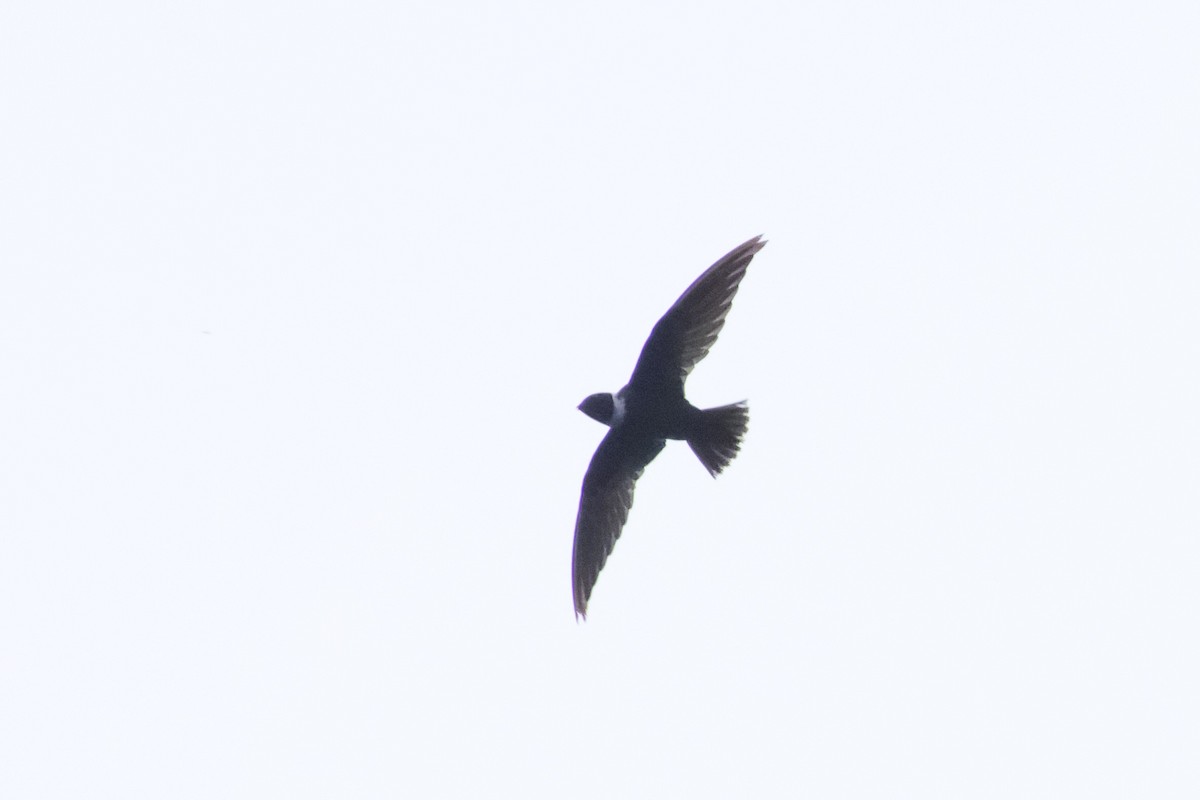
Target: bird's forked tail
719 435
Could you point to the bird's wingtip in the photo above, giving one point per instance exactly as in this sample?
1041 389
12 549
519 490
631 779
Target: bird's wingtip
580 604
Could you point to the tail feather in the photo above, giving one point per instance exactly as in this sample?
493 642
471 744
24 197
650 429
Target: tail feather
719 435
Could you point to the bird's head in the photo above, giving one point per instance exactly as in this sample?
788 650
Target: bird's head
599 406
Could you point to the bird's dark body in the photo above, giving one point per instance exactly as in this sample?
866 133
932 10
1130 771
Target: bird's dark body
661 415
651 409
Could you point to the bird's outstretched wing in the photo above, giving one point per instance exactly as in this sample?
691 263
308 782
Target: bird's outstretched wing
686 332
604 505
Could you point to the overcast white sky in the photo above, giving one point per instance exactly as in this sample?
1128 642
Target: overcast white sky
297 301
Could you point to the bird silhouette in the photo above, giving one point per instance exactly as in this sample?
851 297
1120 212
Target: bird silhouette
652 408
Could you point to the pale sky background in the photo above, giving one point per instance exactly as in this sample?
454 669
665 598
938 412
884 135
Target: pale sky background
297 302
